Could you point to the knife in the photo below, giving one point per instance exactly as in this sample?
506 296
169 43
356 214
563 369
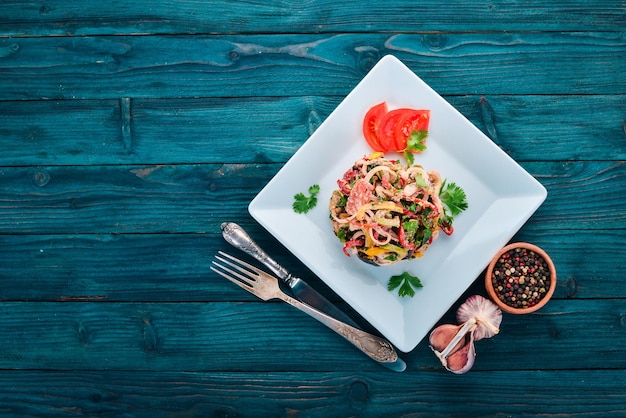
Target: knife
236 236
265 286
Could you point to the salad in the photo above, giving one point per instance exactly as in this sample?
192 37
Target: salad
384 212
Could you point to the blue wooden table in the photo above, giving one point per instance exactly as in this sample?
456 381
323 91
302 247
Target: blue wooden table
130 130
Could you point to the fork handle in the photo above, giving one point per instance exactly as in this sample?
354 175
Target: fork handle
376 348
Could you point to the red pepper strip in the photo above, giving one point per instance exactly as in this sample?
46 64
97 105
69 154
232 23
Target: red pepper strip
410 214
360 224
447 227
403 242
429 205
350 244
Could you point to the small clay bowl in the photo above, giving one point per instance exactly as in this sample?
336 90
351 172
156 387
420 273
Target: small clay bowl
525 278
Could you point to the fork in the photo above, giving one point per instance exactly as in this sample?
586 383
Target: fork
265 286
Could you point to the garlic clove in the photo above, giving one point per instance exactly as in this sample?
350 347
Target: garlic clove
454 345
441 336
462 360
487 315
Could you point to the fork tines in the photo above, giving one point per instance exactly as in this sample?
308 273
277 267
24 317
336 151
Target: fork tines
249 270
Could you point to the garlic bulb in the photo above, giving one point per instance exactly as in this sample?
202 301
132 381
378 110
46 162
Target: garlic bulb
454 344
486 313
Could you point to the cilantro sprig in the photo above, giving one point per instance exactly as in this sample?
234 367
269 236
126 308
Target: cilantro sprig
416 143
453 199
303 203
406 283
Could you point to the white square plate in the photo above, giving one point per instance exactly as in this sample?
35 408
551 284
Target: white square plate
501 196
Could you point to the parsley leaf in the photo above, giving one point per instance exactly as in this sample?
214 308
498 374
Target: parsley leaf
302 203
415 143
454 200
420 181
406 282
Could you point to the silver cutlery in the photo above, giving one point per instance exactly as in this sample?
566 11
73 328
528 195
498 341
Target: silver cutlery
236 236
266 287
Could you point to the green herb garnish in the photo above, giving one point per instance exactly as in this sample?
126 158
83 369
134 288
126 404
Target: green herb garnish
420 181
415 143
302 203
406 282
453 199
341 234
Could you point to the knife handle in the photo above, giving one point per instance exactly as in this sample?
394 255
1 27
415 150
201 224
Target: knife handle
376 348
236 236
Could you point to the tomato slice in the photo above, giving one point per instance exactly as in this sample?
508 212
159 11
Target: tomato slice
411 120
387 128
371 123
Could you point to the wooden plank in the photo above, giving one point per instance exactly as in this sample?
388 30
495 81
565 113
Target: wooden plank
164 267
83 131
570 182
175 267
572 393
203 130
117 199
228 336
198 198
304 65
550 128
55 17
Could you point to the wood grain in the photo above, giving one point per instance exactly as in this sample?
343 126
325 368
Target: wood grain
235 66
200 336
138 199
198 198
175 267
129 132
199 130
311 394
55 17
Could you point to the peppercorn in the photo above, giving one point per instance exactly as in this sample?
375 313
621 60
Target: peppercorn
520 278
